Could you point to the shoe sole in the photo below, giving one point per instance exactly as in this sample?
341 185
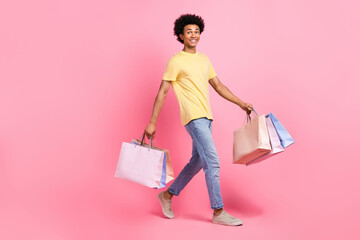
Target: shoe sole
166 215
221 223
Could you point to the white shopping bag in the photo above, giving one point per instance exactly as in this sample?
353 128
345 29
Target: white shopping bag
141 164
168 170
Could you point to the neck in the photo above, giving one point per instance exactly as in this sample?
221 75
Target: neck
189 49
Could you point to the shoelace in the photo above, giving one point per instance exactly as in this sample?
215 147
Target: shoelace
168 205
228 216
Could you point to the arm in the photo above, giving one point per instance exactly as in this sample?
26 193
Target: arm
223 91
159 102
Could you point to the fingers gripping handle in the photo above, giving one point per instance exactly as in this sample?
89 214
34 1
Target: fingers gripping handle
248 116
143 138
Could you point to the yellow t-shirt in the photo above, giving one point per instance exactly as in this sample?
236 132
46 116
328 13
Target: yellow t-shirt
189 74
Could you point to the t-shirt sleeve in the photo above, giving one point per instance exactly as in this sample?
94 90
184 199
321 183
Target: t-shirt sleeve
212 73
171 71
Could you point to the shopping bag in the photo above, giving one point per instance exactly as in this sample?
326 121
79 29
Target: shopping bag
141 164
251 140
285 138
168 170
274 142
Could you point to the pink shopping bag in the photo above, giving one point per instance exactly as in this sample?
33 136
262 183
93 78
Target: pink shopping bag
251 141
274 142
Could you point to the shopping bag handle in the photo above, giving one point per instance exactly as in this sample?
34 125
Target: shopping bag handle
248 116
142 141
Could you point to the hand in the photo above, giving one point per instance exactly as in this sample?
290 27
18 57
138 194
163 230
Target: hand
150 130
247 107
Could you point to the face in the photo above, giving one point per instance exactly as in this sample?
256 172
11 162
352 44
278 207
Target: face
191 35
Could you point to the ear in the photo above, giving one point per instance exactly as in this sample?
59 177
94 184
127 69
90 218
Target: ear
182 36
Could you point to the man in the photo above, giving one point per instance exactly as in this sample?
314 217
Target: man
189 73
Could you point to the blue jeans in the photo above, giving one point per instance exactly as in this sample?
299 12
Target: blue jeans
204 156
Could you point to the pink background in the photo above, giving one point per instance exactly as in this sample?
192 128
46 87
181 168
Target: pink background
80 77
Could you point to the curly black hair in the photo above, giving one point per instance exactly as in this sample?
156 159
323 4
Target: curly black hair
184 20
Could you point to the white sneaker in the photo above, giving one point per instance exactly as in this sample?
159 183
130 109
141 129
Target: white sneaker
226 219
166 206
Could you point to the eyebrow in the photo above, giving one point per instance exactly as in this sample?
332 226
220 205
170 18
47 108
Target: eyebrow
191 29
